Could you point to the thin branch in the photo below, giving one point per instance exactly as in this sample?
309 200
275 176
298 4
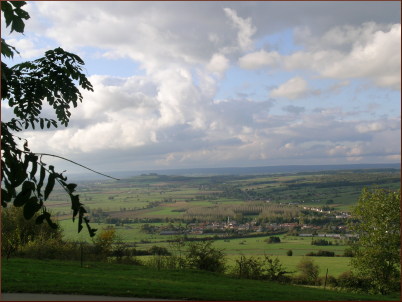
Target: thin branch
71 161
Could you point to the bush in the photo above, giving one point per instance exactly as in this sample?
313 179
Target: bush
348 253
201 255
321 242
257 268
273 239
308 272
17 232
50 249
322 254
248 268
289 253
348 280
158 250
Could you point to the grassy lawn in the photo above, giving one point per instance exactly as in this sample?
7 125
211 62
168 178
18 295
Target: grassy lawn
34 276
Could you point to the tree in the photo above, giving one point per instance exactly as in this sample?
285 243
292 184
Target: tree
378 226
54 79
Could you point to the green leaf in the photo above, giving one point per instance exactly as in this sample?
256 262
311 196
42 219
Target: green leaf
50 185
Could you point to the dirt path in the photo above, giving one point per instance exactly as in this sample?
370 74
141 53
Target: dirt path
54 297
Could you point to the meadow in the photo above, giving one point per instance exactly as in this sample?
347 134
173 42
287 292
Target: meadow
176 201
96 278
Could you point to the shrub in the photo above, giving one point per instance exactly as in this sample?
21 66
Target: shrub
273 269
273 239
349 280
348 253
248 268
201 255
103 243
16 231
308 271
50 249
321 253
158 250
321 242
257 268
289 253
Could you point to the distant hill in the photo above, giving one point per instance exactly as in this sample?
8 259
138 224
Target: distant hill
239 170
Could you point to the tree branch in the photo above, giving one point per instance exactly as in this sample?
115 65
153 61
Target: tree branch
71 161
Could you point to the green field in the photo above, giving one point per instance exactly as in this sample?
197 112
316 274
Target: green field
166 201
137 281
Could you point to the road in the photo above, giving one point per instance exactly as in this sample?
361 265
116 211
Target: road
54 297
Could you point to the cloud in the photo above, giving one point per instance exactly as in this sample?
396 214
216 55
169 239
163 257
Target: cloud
218 63
292 89
177 113
370 51
259 59
245 27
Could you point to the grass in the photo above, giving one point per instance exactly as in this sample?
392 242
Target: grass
41 276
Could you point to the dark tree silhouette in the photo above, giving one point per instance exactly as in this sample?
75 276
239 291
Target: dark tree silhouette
55 78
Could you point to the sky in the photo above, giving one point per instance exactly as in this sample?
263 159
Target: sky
222 84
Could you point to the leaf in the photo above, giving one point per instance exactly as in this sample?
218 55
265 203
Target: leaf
41 179
71 187
34 167
50 185
92 232
75 204
50 222
5 196
40 218
22 198
31 207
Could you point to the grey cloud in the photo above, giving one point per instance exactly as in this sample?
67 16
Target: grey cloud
294 109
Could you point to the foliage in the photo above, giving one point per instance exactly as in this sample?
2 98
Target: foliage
321 242
377 252
25 87
203 256
256 268
17 232
351 281
248 268
321 253
273 269
308 271
104 242
159 250
273 239
289 253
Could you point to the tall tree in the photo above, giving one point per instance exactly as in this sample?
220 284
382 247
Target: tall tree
377 222
55 79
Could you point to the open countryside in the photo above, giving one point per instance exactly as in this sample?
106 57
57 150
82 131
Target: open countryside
283 217
249 151
238 212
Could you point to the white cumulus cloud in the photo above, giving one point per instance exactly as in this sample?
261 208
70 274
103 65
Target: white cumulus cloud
292 89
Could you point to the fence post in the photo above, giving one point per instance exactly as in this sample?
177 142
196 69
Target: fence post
326 276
